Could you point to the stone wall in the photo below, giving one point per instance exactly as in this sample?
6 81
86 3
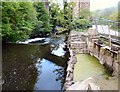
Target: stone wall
106 56
77 42
69 77
80 42
88 43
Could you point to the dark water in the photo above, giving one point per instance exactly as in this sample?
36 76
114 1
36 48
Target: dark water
32 67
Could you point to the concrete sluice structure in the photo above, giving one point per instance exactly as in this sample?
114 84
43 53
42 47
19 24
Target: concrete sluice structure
88 42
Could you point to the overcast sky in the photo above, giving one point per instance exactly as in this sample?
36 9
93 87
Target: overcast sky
98 4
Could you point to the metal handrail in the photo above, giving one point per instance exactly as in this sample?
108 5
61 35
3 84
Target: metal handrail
108 22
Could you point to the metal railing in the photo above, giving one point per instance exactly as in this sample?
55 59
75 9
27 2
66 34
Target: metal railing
107 29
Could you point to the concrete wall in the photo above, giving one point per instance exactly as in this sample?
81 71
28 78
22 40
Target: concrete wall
106 56
88 43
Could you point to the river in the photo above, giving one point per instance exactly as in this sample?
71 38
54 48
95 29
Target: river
32 67
37 66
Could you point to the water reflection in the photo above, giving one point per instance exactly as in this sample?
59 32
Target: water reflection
58 51
48 76
32 67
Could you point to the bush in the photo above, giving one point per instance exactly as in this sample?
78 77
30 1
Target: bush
82 24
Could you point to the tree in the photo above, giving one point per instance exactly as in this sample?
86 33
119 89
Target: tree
105 13
113 16
83 21
68 15
56 15
18 20
43 18
61 17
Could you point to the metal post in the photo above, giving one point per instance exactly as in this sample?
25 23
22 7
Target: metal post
109 38
96 24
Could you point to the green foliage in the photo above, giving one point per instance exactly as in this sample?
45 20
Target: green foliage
80 30
61 29
82 24
105 13
111 14
18 20
43 24
83 21
114 16
56 15
42 16
61 17
21 19
68 19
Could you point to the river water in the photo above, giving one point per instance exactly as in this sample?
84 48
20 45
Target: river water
32 67
42 67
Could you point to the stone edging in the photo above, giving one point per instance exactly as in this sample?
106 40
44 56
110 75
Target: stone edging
70 70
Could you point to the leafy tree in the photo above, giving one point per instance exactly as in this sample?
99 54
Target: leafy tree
113 16
106 13
54 8
83 21
18 20
82 24
43 17
68 15
61 17
56 15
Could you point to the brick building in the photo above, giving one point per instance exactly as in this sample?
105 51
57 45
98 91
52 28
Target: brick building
79 5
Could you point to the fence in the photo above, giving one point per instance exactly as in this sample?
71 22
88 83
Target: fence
107 29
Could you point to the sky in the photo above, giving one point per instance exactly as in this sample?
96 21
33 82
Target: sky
98 4
101 4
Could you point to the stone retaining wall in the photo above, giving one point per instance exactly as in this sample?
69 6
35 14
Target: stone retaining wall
88 43
81 42
106 56
77 42
69 77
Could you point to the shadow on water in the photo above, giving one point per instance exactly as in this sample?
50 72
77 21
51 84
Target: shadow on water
32 67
